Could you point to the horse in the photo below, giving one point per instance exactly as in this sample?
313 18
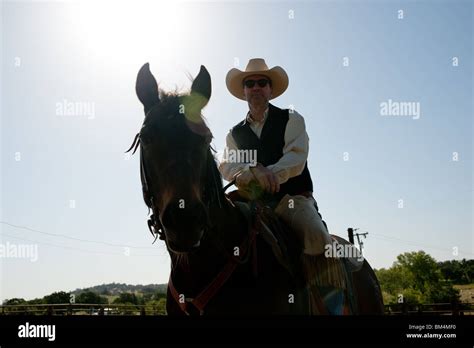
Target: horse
220 264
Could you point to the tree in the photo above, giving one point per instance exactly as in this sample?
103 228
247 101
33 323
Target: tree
421 267
157 306
397 284
440 292
127 298
394 279
157 296
91 297
37 301
58 297
105 292
14 301
458 272
417 278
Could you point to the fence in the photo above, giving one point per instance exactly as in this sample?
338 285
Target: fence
430 309
80 309
125 309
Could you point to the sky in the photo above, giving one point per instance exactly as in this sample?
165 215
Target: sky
71 195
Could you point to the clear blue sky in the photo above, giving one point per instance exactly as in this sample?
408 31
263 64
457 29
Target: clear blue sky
90 52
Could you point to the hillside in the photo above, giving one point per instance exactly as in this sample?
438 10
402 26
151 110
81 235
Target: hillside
115 289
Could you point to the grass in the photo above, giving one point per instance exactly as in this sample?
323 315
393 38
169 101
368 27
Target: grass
466 291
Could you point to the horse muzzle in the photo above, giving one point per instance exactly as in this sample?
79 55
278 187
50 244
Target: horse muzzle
184 227
183 247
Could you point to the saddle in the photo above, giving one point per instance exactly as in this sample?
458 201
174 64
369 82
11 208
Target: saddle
273 231
289 251
353 264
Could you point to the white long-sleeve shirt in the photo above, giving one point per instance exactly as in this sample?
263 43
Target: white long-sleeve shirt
295 150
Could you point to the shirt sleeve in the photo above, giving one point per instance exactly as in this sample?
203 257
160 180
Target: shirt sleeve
227 168
295 151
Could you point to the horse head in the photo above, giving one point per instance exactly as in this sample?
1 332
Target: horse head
178 172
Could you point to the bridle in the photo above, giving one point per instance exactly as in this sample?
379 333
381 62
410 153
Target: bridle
154 225
157 230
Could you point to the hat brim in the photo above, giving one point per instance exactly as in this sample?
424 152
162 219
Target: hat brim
235 77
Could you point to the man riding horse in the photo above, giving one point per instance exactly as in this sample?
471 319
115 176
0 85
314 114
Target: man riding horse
281 174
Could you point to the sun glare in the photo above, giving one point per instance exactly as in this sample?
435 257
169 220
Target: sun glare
123 30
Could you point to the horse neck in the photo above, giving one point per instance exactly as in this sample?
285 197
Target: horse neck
194 271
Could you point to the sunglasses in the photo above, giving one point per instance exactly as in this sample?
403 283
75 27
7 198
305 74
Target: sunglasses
251 83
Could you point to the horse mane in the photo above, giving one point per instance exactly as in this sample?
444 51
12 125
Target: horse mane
213 185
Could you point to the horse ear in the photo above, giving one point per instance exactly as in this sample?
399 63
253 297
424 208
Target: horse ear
201 88
146 87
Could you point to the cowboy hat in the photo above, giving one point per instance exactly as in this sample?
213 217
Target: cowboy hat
256 66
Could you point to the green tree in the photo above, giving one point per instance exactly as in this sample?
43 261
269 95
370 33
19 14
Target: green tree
458 272
127 298
394 279
57 297
417 277
14 301
156 307
422 269
37 301
442 293
91 297
158 296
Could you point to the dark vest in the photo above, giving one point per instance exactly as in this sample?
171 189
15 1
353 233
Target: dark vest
270 147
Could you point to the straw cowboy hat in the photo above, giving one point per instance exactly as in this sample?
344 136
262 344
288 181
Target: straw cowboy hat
256 66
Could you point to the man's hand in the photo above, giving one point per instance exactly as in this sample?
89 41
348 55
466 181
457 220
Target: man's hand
244 178
262 175
266 178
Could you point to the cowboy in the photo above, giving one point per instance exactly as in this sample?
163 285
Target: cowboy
279 138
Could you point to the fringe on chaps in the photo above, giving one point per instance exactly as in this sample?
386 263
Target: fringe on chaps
322 271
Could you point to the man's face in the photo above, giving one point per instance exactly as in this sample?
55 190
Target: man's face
257 96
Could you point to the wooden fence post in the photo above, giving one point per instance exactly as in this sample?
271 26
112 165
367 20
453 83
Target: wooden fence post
455 306
420 309
405 308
